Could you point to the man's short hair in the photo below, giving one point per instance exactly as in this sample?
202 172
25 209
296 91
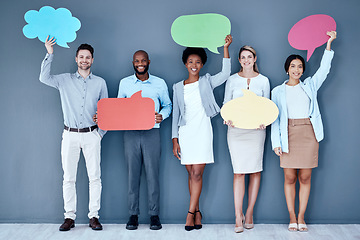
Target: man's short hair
86 46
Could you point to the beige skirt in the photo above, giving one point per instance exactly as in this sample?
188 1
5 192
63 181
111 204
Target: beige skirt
246 148
303 146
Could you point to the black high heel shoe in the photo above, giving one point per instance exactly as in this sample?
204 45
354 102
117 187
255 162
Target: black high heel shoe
189 228
198 226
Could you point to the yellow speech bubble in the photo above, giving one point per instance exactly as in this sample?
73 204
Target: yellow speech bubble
250 111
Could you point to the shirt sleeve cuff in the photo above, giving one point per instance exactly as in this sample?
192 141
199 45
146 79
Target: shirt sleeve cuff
49 56
227 64
330 52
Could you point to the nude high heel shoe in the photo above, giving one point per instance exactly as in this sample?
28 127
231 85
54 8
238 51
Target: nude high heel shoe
249 225
241 228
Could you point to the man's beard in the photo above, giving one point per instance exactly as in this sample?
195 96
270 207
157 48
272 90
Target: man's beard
84 67
141 73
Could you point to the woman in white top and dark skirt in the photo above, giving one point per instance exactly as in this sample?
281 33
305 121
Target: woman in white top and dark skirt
193 106
246 146
296 133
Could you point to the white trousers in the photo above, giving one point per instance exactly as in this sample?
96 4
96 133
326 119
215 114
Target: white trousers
71 145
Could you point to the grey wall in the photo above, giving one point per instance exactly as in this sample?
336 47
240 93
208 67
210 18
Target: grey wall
32 123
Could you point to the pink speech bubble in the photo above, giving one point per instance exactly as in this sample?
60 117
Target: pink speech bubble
310 32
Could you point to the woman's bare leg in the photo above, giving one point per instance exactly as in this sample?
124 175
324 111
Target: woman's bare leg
304 192
239 191
195 172
254 185
289 189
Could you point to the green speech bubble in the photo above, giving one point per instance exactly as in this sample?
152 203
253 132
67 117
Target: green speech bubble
201 30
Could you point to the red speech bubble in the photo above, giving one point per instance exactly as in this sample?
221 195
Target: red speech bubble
135 113
310 32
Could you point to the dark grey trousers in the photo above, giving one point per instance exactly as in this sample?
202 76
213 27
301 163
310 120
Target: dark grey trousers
143 147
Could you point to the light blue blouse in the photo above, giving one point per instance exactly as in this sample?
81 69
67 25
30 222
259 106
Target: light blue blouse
279 129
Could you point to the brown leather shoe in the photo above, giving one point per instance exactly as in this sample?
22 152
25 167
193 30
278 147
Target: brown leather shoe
67 225
95 224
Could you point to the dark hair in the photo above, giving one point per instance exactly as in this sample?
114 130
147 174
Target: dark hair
290 59
197 51
252 50
85 46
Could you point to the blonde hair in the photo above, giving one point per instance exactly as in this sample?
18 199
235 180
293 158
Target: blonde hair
252 50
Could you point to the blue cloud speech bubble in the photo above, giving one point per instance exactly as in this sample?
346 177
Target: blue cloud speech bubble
58 23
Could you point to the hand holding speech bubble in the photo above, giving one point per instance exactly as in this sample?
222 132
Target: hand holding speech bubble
201 30
310 33
135 113
58 23
250 111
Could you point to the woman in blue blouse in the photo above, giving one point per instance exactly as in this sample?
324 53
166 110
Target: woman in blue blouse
296 133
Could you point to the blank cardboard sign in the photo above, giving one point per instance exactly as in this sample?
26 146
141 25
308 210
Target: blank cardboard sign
206 30
310 32
58 23
135 113
250 111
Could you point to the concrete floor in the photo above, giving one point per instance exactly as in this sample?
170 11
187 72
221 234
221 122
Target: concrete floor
176 231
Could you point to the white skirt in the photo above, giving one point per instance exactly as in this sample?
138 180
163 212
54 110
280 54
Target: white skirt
246 148
196 137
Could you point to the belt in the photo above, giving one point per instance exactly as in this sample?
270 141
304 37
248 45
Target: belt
81 130
296 122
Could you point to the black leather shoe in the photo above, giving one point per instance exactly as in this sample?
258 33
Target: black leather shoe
133 223
95 224
189 228
155 223
67 225
198 226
